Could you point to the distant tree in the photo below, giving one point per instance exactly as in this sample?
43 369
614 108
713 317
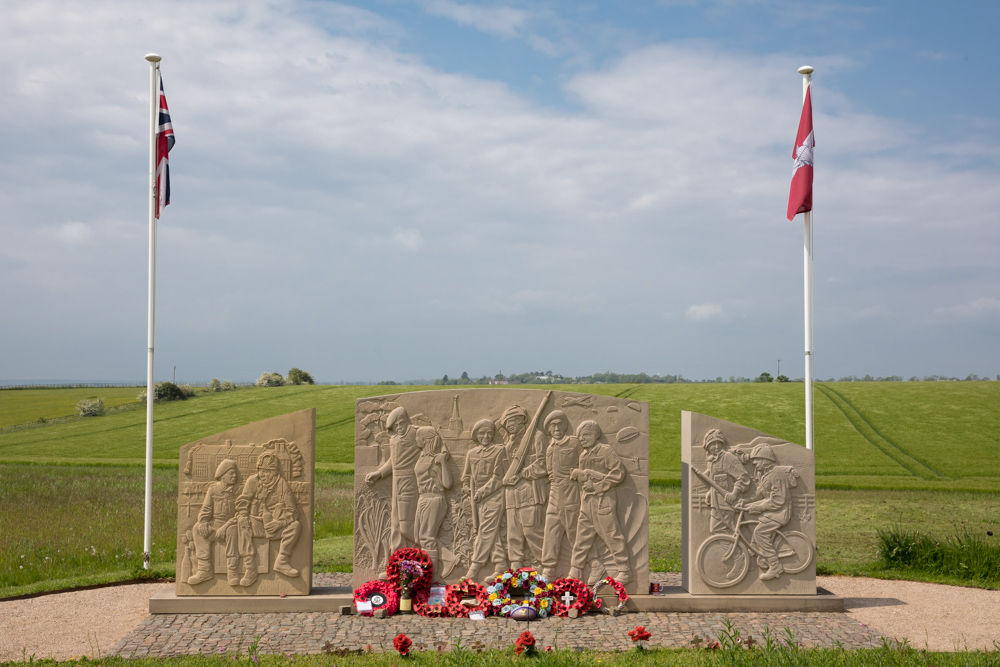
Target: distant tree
388 382
445 378
164 391
215 385
228 386
465 375
782 378
270 380
764 377
718 379
299 376
90 407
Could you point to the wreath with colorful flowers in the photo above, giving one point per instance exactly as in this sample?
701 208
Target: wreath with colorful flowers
538 592
575 587
619 590
383 587
422 585
467 587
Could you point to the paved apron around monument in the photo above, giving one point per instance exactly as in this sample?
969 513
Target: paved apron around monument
185 634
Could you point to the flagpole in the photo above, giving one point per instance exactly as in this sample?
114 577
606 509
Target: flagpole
147 539
806 72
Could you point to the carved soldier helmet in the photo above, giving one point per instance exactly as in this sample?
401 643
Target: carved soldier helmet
225 466
395 416
590 425
763 452
715 435
554 415
268 461
514 411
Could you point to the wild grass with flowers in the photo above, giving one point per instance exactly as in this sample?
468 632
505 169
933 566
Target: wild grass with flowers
966 556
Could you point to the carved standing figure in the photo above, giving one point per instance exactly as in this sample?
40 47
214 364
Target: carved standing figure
433 479
266 508
403 454
217 523
526 488
600 471
563 510
726 470
774 489
482 480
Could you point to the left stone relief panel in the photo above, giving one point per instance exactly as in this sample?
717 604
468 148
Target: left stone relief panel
245 508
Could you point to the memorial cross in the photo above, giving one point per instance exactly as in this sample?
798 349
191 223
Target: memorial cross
567 599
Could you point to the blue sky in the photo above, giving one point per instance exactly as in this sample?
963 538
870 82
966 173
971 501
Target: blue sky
399 190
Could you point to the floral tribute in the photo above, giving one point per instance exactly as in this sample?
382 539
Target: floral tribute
399 575
385 588
525 643
466 588
619 590
576 588
402 643
537 592
639 635
421 607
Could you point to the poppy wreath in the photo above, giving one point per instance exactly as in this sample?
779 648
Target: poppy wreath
467 587
537 591
420 586
421 607
383 587
576 588
619 590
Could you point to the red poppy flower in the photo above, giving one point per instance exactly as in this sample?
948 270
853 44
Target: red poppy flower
402 644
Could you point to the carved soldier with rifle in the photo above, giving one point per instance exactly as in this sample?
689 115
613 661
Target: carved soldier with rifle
482 481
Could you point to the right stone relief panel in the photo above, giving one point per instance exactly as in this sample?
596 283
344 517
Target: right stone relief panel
749 511
486 479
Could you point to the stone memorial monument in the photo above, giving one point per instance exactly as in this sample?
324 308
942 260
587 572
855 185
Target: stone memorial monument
488 479
245 508
749 511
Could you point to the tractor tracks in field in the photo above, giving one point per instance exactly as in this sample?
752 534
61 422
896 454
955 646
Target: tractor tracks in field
914 465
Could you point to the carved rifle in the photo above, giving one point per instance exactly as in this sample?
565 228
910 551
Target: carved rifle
526 440
472 502
713 484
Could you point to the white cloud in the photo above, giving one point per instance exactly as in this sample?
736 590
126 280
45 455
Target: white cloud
408 239
985 305
499 20
704 311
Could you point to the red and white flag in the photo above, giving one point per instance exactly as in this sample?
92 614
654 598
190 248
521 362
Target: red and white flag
800 195
164 142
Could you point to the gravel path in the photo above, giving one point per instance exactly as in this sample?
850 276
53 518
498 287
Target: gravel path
115 620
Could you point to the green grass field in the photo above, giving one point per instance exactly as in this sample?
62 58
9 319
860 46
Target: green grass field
918 454
25 406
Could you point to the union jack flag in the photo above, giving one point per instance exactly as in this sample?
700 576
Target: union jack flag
164 142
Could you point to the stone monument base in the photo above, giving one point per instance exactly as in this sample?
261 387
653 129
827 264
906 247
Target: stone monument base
335 599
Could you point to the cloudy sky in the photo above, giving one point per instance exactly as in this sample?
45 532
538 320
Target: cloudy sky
401 189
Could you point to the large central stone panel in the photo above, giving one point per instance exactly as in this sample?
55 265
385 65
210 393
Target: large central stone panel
486 479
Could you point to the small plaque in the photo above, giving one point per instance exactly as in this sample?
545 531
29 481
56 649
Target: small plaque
437 595
377 600
476 615
364 607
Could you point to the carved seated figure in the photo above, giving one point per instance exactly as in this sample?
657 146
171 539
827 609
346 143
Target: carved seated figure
774 505
266 508
217 523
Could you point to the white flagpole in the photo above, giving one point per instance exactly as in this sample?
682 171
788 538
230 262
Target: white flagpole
147 539
806 73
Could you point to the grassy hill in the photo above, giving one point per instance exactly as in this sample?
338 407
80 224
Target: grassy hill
905 435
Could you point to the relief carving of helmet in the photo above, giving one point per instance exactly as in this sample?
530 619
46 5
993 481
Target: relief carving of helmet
225 466
715 435
268 461
514 411
763 452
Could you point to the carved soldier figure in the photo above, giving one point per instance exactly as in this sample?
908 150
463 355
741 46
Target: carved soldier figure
433 479
266 508
526 488
217 523
403 454
563 510
599 472
723 467
482 480
774 488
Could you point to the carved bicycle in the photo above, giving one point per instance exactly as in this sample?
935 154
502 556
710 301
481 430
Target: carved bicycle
724 559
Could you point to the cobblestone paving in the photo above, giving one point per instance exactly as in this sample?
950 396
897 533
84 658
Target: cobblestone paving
182 634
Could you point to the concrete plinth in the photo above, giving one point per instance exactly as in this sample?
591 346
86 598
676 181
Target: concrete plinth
331 599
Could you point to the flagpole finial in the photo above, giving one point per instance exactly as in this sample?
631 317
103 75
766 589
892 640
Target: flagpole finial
805 70
153 58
